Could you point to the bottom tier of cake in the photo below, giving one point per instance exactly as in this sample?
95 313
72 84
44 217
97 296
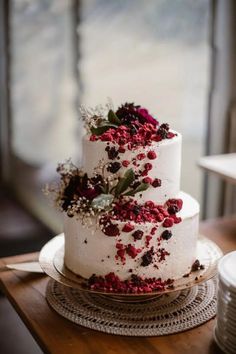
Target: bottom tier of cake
148 250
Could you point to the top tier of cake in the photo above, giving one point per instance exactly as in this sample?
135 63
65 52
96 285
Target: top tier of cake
160 160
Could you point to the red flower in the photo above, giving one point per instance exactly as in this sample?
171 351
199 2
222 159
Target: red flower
145 117
88 193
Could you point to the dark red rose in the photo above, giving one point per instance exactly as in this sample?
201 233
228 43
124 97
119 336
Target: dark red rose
145 117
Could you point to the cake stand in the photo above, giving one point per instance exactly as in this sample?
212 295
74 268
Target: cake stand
51 260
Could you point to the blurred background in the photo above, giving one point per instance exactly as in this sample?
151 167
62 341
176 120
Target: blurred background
176 57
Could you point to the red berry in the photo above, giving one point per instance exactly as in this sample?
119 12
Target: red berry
160 217
125 163
177 202
121 149
111 230
149 204
151 155
128 227
121 254
132 251
156 183
168 222
153 230
148 166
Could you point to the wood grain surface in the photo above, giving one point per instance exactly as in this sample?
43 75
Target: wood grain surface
57 335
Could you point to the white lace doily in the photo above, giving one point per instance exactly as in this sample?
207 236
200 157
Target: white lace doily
167 314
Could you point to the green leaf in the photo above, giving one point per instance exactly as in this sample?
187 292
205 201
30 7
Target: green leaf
124 182
112 117
142 187
102 201
102 128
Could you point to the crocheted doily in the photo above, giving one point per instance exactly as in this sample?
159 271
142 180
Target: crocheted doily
167 314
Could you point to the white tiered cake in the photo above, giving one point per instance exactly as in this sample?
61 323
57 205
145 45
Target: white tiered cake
128 227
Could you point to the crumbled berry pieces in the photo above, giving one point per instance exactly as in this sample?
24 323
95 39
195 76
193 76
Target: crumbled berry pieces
112 283
197 266
132 251
147 180
128 227
141 156
147 258
148 239
177 202
153 230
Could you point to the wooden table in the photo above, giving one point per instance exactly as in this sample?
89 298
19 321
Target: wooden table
57 335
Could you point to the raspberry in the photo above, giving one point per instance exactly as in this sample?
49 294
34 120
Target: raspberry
128 227
141 156
168 222
151 155
156 183
149 204
132 251
177 202
148 239
153 230
148 166
147 180
125 163
121 150
160 217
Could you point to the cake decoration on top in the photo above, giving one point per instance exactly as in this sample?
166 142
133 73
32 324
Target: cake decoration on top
130 125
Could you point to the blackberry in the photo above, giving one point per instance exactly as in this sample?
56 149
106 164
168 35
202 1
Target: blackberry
147 258
166 235
113 167
137 235
173 209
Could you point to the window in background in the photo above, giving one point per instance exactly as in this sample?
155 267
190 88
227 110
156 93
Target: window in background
154 53
43 94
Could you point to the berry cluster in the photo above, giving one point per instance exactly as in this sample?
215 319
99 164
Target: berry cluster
134 285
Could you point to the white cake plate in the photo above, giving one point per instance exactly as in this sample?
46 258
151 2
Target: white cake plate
51 260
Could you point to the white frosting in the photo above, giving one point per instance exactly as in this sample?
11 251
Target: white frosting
91 257
165 167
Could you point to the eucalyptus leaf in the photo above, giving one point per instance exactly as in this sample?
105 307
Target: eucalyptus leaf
142 187
112 117
102 128
124 182
102 201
